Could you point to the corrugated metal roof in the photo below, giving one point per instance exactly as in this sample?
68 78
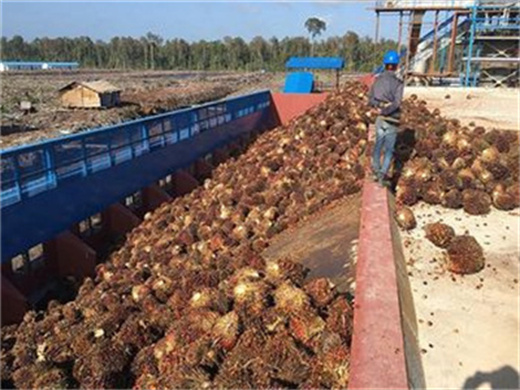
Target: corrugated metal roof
316 62
99 86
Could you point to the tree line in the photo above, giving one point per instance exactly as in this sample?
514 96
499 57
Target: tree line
230 53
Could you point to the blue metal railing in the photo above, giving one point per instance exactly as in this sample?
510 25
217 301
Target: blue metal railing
28 171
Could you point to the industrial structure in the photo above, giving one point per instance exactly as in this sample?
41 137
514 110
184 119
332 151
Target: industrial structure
103 181
465 42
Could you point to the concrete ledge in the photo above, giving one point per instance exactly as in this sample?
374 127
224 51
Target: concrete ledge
378 349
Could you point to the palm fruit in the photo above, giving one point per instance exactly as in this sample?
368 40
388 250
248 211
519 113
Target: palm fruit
502 199
307 327
405 218
476 202
340 318
321 291
465 255
290 299
439 234
226 330
452 199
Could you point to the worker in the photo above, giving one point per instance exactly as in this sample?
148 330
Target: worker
386 96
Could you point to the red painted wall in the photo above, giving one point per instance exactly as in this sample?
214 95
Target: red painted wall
292 105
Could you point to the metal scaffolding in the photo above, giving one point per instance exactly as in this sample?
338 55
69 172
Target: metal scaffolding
469 42
492 54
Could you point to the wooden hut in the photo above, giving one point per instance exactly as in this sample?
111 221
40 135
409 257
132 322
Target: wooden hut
92 94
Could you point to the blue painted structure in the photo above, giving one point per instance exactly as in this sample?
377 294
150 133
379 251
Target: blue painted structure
37 65
303 82
299 82
49 186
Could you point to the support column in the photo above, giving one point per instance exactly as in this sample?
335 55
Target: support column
183 182
154 196
220 155
119 219
203 169
68 255
453 38
399 37
14 303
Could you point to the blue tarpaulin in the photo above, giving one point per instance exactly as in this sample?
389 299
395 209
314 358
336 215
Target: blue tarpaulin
315 63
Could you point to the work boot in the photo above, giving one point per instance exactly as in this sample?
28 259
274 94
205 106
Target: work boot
384 182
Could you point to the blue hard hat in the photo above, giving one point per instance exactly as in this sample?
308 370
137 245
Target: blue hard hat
391 58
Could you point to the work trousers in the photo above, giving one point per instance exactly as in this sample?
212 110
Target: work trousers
386 134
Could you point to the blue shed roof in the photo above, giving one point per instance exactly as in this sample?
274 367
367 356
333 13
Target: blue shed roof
315 62
38 63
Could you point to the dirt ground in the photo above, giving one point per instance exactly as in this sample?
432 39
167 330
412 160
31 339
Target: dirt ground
143 93
491 108
326 243
468 325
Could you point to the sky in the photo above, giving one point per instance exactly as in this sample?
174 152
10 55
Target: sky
190 20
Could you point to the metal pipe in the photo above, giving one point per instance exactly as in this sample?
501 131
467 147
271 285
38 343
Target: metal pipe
470 48
435 41
400 31
376 38
407 61
454 32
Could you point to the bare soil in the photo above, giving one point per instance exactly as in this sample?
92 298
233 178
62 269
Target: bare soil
491 108
143 93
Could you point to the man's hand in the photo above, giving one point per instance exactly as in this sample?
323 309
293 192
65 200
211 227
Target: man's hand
381 106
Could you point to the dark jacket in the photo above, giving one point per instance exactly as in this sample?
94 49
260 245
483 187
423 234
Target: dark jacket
387 94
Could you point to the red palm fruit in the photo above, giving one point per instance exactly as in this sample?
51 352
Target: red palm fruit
144 362
497 169
288 363
282 269
225 332
290 299
322 291
340 318
147 381
335 368
406 194
439 234
306 327
452 199
514 191
273 320
169 343
405 218
448 179
476 202
465 255
466 178
432 193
